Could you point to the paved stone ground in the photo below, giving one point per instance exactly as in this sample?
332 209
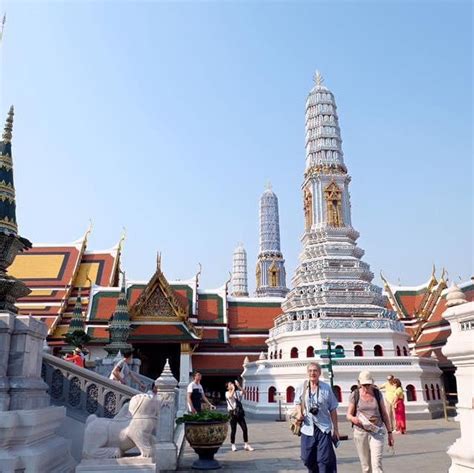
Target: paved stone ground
421 450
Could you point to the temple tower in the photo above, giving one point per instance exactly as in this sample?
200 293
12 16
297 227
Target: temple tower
270 271
239 272
119 326
331 279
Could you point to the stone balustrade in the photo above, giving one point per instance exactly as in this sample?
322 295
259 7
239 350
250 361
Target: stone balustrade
82 391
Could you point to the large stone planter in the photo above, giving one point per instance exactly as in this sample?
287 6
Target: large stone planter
206 438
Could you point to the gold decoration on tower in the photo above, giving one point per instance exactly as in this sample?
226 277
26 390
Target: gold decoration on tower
308 208
333 196
258 275
273 273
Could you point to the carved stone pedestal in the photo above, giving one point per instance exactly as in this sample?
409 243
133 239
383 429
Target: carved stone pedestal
28 441
123 465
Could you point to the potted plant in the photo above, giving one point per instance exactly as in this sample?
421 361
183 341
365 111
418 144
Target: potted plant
205 431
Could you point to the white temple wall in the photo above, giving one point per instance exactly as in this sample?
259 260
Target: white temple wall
387 339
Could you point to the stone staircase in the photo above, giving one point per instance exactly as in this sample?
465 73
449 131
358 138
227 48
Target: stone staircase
82 391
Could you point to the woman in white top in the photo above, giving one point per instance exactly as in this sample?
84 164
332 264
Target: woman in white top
233 397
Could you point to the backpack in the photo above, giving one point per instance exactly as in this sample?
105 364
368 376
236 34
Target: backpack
378 398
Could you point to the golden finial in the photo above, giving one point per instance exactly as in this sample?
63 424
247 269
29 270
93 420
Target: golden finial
89 230
268 186
7 132
319 79
158 259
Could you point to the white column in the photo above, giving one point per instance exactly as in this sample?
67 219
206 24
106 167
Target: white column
165 448
460 350
185 370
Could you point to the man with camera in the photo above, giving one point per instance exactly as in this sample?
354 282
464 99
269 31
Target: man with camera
317 411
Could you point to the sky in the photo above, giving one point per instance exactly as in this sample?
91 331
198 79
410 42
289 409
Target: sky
168 119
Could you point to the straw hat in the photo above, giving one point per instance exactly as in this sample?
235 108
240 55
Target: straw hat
365 377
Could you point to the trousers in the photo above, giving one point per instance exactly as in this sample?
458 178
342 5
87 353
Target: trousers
370 450
234 420
318 453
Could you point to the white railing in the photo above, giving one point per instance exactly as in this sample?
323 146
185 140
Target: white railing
82 391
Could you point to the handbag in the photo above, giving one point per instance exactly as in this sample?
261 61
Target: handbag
238 410
295 424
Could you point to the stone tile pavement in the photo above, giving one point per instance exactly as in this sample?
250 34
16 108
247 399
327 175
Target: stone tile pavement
421 450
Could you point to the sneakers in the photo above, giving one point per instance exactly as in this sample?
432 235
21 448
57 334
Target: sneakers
248 448
234 448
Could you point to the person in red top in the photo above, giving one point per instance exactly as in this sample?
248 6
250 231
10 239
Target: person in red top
76 357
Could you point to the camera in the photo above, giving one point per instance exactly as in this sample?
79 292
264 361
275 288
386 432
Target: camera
314 410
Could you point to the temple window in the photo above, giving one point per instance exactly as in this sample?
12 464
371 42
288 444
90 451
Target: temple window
399 352
378 350
405 351
290 394
427 392
271 394
338 393
358 351
411 393
310 352
294 353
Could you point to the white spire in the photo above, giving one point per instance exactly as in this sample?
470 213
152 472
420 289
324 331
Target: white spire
239 272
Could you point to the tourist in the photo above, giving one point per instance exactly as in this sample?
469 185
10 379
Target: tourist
83 352
399 409
233 397
195 394
368 415
122 372
317 412
390 398
75 357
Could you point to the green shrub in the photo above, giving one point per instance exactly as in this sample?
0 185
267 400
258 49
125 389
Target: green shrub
203 416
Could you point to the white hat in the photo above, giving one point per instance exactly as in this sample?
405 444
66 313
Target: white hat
365 377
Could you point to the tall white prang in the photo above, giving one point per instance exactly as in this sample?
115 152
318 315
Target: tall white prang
239 272
332 295
270 271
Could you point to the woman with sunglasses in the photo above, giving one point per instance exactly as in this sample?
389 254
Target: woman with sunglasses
371 423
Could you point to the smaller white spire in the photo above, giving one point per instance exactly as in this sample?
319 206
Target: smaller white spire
239 272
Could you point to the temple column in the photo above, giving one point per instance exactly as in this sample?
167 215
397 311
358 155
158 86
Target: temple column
185 370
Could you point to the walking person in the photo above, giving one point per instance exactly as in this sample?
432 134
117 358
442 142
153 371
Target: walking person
122 372
317 411
399 409
76 357
233 397
390 398
371 423
195 394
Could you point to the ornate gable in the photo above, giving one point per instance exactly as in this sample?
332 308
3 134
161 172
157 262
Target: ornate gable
158 301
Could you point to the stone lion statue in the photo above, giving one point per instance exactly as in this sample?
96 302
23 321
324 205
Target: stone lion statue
133 426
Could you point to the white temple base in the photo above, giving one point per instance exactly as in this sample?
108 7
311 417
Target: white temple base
28 441
282 374
124 465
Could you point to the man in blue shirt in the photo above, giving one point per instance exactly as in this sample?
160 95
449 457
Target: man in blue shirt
317 411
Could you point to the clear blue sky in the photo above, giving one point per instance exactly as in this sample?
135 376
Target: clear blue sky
169 118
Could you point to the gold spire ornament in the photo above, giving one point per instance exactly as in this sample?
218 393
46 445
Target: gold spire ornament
7 131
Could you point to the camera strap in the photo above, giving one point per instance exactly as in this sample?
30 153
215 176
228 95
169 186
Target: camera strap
311 396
